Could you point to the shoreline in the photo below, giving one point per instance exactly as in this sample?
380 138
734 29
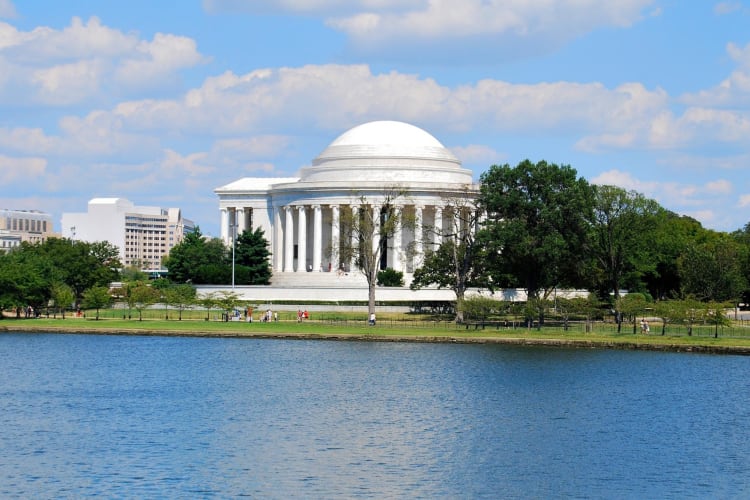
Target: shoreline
374 337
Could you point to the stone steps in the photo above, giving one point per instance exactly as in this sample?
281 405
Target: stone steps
317 280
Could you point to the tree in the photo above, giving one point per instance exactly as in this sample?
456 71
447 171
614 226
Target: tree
715 315
630 305
139 296
454 264
673 233
480 308
366 230
209 301
538 221
587 306
621 241
742 237
390 277
79 264
24 280
198 260
712 271
252 258
180 296
669 311
63 297
228 301
96 297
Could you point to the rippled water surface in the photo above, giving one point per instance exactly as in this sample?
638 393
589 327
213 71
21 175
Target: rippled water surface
107 416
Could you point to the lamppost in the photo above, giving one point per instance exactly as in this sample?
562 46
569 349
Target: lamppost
234 238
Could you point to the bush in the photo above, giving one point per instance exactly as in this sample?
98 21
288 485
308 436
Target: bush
390 277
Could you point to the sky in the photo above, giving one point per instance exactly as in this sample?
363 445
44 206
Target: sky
162 102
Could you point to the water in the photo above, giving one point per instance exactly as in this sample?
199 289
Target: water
146 417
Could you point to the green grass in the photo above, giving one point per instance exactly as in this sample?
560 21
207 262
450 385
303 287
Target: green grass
342 326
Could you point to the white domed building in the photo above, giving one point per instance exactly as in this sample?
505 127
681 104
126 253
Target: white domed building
301 215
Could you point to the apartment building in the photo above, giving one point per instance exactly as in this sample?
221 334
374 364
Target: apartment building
143 234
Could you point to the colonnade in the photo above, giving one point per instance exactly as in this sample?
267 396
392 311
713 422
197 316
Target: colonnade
234 221
308 238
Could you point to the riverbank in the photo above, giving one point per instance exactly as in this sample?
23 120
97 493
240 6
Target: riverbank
361 332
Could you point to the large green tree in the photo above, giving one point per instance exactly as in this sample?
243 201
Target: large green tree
712 271
29 272
252 264
538 217
199 260
742 237
672 234
621 239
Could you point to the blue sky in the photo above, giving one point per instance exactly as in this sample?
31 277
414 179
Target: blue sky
161 102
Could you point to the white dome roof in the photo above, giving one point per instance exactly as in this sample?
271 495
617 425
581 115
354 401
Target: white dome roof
386 151
390 133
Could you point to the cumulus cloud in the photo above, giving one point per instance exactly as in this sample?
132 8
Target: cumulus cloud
402 28
478 154
744 201
20 170
85 61
733 90
702 202
258 104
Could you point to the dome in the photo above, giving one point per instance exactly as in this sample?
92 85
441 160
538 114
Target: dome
387 133
386 151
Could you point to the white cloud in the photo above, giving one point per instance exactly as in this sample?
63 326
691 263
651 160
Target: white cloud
7 10
86 61
402 28
744 201
733 90
702 202
20 170
477 154
333 97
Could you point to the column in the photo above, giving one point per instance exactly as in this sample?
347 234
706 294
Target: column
301 239
240 219
438 229
225 225
418 242
335 238
317 237
289 240
278 242
396 261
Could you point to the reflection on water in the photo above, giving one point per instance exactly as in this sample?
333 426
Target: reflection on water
183 417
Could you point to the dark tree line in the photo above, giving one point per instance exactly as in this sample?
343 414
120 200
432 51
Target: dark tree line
57 270
61 272
202 261
541 227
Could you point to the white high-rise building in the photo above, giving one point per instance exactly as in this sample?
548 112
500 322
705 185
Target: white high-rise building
143 234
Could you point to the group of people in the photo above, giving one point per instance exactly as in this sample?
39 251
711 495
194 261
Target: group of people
302 315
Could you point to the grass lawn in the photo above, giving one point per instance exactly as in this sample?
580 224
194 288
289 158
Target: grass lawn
603 335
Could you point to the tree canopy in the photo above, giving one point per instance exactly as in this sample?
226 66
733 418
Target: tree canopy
538 217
